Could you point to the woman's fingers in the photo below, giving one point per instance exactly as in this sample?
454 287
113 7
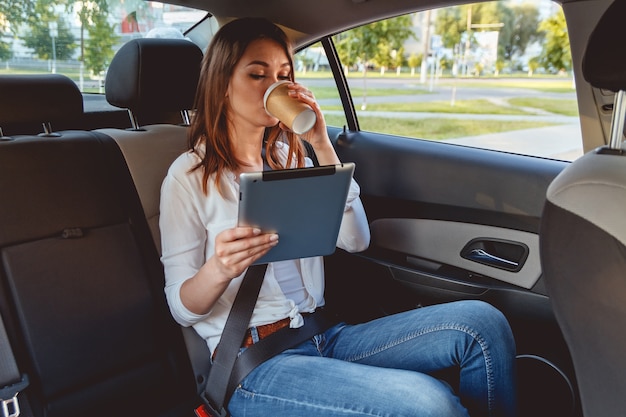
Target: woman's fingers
238 248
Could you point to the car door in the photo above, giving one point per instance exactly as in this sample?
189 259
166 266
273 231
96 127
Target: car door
452 222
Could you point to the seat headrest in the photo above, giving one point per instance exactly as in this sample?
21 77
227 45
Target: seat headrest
603 65
39 99
154 74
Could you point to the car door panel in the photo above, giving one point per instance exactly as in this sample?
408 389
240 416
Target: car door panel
428 200
443 242
436 211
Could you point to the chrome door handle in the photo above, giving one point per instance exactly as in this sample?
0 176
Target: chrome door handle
480 255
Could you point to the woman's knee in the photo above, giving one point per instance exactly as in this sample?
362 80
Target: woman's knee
487 321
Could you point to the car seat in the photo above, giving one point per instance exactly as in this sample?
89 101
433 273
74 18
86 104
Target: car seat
583 239
154 79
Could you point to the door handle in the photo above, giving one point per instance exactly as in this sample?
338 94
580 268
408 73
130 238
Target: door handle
496 253
482 256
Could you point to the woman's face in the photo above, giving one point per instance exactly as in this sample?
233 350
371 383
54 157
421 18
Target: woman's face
263 63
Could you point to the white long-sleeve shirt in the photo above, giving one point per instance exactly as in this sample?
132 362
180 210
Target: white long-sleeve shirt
189 222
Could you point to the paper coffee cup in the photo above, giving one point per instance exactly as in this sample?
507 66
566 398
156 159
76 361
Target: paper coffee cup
296 115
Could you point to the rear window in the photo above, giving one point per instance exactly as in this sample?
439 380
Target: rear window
79 38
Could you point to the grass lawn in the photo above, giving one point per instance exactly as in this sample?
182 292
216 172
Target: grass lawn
436 128
479 106
556 106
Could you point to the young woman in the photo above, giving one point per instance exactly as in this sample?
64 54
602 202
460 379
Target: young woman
381 368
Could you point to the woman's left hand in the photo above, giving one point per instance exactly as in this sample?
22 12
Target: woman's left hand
318 135
318 132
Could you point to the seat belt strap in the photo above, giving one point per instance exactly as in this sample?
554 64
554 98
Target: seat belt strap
11 380
276 343
235 328
228 368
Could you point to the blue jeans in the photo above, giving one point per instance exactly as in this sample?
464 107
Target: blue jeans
387 367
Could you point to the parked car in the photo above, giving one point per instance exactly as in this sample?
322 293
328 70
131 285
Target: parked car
453 168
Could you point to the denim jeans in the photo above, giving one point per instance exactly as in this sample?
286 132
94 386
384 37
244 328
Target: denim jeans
387 367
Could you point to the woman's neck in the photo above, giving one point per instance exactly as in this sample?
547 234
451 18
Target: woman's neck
247 148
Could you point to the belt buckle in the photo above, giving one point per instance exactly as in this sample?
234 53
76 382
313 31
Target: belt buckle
207 410
11 407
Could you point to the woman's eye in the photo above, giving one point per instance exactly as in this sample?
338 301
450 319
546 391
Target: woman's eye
284 77
257 76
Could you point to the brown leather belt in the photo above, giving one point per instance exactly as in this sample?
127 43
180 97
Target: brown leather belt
264 331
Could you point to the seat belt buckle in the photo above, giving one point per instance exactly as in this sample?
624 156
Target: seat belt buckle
9 404
10 407
205 410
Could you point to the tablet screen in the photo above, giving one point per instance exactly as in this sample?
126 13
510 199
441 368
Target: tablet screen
304 206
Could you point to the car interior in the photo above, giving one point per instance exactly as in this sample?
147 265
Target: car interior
81 282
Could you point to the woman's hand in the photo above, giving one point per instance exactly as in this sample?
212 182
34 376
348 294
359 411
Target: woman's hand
318 135
238 248
318 131
235 250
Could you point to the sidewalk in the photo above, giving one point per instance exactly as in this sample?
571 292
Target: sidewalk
556 142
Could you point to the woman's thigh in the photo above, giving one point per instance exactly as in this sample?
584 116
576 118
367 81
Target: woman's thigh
296 385
425 339
470 336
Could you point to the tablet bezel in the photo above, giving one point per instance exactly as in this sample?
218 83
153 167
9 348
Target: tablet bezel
304 206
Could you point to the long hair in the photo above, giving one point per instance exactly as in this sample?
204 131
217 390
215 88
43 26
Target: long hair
210 124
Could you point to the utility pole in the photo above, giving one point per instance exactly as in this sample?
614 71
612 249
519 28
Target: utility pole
426 32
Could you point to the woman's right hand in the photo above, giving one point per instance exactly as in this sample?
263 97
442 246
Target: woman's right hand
235 250
238 248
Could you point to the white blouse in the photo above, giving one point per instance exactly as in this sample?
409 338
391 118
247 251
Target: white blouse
189 222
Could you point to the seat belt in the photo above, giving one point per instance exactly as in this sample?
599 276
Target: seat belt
232 339
11 380
229 368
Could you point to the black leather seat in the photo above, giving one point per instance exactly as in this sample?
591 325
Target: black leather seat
583 240
30 104
81 284
154 78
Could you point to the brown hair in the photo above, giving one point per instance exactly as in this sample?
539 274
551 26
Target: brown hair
210 125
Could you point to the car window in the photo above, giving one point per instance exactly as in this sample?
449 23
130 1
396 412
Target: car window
78 38
495 75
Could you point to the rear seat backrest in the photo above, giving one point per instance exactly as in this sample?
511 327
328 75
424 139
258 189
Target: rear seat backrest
81 283
30 101
152 76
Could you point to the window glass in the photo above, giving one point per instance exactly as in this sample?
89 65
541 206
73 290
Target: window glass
495 75
78 38
313 71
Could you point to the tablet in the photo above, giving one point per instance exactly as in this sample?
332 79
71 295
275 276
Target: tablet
304 206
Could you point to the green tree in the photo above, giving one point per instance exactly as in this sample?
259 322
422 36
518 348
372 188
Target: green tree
399 60
414 61
39 38
15 12
96 46
556 54
374 42
382 57
533 64
5 51
12 14
99 45
451 23
521 28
